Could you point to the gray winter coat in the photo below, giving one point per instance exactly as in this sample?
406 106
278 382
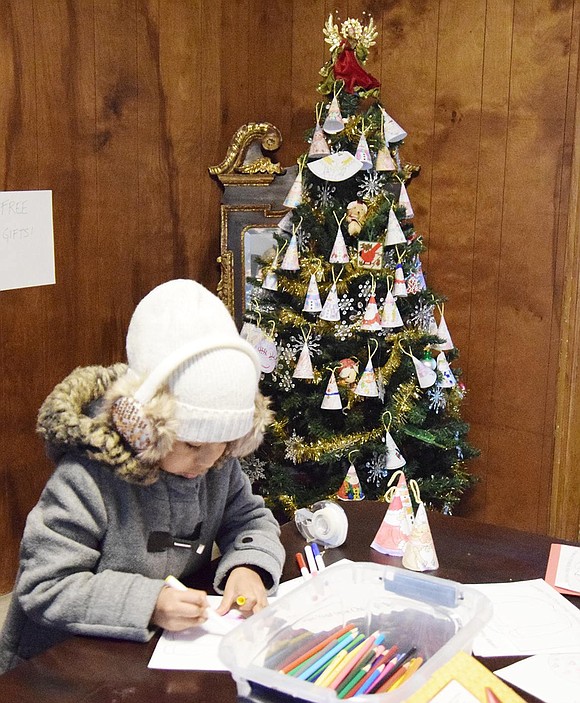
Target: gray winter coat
84 565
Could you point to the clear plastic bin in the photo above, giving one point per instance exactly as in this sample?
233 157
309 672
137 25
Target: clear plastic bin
437 616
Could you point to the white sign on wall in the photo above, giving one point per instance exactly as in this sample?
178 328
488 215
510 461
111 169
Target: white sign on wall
26 239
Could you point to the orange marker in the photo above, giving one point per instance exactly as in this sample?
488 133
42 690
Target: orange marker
302 566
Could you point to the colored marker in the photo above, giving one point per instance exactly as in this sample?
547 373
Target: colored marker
302 566
241 600
310 559
318 557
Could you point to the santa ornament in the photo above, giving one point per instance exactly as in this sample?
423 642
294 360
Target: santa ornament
350 488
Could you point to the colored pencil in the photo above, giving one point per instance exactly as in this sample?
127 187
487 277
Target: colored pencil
387 679
343 642
353 659
384 659
325 666
315 658
333 635
410 669
365 663
345 691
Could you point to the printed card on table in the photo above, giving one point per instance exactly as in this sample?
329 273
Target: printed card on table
563 570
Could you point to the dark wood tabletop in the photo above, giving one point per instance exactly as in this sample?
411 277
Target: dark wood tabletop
99 670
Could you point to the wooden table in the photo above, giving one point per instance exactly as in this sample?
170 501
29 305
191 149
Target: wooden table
95 670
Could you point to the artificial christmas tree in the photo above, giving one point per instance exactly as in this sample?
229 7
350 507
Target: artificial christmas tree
355 325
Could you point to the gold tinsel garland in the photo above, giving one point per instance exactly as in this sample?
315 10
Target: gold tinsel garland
403 401
299 451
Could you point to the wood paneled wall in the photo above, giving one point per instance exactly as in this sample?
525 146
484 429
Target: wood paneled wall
120 106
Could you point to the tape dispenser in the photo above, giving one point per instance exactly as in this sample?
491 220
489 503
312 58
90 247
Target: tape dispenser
324 522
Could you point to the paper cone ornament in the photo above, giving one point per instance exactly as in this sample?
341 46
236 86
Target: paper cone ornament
395 234
271 281
363 154
290 261
367 385
392 131
393 534
339 253
443 333
331 312
399 288
304 366
394 457
391 317
420 551
336 167
371 320
405 202
294 196
318 146
402 490
251 333
432 328
331 400
351 488
425 375
419 272
267 353
285 223
448 379
312 302
333 122
384 160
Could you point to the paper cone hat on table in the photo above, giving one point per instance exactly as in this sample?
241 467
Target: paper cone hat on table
304 366
371 320
393 534
270 281
425 375
331 400
334 122
394 457
402 490
339 253
351 488
399 288
384 160
318 145
391 317
405 202
392 131
443 333
290 261
294 196
363 154
367 385
312 301
420 551
331 311
395 234
448 379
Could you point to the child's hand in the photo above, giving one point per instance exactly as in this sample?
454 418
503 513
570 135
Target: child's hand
246 584
177 610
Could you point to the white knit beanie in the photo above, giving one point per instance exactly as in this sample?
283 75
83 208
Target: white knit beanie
182 336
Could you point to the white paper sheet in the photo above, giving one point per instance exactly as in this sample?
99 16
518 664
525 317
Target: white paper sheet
529 617
553 678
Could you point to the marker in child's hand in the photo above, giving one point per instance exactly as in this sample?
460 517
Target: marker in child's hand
241 600
176 584
302 566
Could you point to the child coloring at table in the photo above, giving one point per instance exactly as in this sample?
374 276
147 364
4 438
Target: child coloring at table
147 478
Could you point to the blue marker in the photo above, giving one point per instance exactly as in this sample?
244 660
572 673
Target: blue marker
318 557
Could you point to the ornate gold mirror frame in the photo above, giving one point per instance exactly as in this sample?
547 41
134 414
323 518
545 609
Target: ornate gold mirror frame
252 206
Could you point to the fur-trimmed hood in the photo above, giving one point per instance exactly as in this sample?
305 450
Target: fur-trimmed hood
74 419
